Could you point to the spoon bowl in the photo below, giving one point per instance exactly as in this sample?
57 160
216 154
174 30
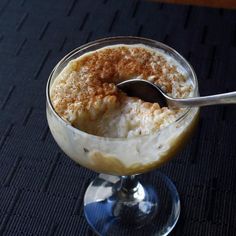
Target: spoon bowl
144 90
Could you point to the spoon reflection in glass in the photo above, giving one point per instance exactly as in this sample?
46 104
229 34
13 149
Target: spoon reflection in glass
150 92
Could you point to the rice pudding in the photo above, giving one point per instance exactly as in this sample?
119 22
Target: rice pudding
85 93
99 126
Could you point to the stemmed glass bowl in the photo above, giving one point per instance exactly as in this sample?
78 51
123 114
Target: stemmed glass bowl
118 201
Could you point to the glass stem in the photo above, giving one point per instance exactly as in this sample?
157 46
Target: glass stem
130 189
131 199
129 184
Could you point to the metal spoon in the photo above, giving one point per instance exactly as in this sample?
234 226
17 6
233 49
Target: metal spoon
150 92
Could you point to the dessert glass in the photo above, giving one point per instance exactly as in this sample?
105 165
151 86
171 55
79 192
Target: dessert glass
119 201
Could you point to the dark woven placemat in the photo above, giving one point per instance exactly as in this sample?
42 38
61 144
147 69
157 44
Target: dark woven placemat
41 190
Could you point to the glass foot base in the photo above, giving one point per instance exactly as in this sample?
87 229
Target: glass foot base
112 208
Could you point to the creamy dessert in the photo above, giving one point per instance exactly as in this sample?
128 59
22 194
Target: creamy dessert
129 136
85 92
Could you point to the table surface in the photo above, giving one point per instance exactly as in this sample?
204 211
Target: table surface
41 190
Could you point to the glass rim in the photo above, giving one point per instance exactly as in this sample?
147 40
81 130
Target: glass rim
109 39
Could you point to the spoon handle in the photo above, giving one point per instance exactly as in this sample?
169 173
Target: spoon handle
224 98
